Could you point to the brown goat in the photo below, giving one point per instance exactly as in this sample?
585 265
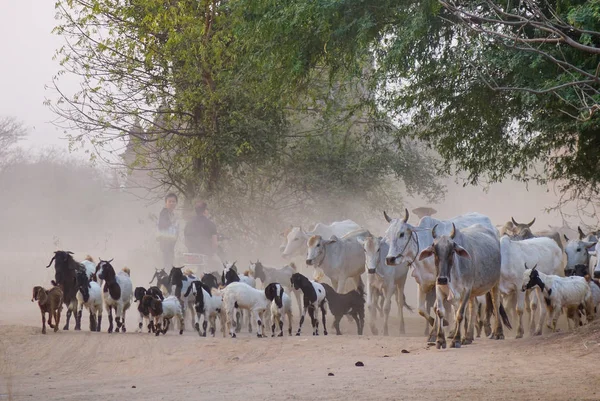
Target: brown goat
50 302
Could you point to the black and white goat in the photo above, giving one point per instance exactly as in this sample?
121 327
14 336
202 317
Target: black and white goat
351 303
118 292
143 310
163 311
229 276
209 304
314 298
571 293
65 276
90 296
281 306
179 284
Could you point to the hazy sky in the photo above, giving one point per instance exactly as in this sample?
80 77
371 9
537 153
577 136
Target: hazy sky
26 65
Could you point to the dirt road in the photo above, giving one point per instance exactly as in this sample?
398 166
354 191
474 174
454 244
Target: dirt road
98 366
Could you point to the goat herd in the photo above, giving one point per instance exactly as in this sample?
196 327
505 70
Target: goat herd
464 265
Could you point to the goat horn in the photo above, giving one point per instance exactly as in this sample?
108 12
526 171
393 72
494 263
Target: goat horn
531 223
108 261
514 222
70 253
51 260
453 232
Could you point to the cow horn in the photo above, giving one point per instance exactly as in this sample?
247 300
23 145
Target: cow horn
433 231
405 215
51 260
387 218
581 234
453 232
532 221
514 222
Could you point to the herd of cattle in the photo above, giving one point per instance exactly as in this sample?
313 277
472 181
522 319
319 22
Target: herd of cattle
465 268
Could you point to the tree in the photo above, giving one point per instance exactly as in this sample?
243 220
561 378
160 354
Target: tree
447 72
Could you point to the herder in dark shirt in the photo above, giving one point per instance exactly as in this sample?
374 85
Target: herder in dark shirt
201 233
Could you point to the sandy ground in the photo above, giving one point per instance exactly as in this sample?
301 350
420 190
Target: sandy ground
98 366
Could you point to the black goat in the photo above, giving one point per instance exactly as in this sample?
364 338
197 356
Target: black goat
139 294
65 276
162 279
210 280
351 303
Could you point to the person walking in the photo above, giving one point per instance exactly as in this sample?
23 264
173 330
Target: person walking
168 231
200 234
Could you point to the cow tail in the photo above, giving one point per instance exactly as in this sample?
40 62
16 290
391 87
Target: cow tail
504 317
407 306
489 307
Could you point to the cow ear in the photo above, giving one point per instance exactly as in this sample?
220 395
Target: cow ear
331 240
361 240
460 251
427 252
589 245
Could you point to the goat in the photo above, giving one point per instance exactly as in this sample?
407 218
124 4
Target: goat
268 275
50 302
584 271
163 311
90 296
65 276
181 282
138 295
229 276
281 305
118 292
314 297
90 268
211 280
351 303
208 303
162 281
242 296
560 292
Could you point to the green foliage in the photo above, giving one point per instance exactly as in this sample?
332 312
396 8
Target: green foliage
460 77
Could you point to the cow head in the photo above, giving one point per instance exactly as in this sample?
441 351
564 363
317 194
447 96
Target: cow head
577 254
399 236
372 248
521 231
317 248
293 241
444 249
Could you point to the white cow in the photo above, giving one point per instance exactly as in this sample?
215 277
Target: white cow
383 278
540 251
339 258
295 238
406 241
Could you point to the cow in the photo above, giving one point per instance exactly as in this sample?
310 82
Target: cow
295 238
467 265
406 241
577 251
540 251
391 279
521 231
339 258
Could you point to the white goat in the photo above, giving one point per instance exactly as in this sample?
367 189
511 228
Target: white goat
90 267
208 303
281 306
561 292
117 295
92 300
247 298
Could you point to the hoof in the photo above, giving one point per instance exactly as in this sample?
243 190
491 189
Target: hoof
44 331
55 329
499 336
66 328
77 328
455 344
273 335
467 341
180 332
117 330
258 335
298 334
157 334
488 330
439 345
374 331
324 333
124 330
233 335
280 334
110 331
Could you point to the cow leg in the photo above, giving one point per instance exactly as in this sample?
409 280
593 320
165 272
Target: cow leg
520 296
470 322
398 290
498 333
422 306
371 293
387 306
533 306
341 285
460 314
441 338
301 321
